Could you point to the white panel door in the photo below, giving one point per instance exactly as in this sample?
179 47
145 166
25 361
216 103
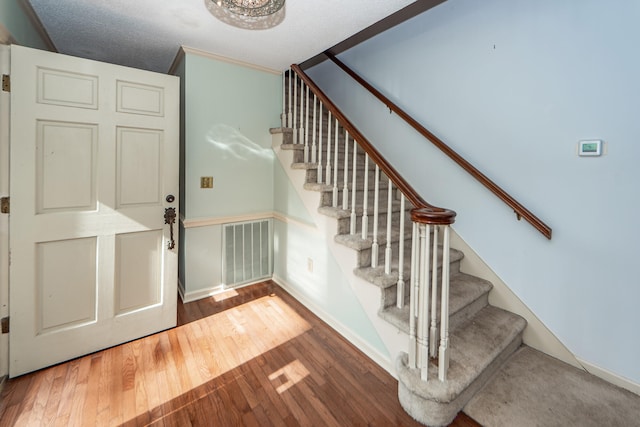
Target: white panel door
94 155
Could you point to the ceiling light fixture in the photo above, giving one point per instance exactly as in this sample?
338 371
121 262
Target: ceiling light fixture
252 8
248 14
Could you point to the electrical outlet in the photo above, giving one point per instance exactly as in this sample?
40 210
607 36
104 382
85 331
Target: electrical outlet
206 182
310 265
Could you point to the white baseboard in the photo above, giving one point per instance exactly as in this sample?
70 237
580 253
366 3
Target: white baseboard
209 292
383 361
610 377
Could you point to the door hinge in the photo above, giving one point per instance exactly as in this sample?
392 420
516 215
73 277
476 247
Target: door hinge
4 205
6 83
4 324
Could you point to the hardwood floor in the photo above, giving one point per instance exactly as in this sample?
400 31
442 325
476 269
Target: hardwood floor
249 357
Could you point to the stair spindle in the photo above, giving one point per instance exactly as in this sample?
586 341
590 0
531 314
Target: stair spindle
413 297
345 175
295 108
335 168
314 130
387 251
306 127
289 116
283 115
423 311
365 199
319 173
433 332
328 168
376 195
353 187
400 284
443 355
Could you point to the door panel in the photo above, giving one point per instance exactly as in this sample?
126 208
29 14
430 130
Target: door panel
140 99
76 259
94 152
66 166
139 167
138 263
65 88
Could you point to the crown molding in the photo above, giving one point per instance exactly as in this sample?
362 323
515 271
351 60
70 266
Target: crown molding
205 54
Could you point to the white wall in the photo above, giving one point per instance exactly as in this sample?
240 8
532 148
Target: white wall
513 85
228 110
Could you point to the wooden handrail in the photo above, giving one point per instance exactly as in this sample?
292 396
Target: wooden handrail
423 212
519 210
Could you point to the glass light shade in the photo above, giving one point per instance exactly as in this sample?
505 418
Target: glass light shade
252 8
241 14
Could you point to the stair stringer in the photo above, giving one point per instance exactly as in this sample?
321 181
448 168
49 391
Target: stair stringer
369 296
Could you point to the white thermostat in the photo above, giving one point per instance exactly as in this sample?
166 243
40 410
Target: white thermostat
592 147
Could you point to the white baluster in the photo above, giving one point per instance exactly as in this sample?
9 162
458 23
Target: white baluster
335 169
301 120
354 174
295 108
413 297
376 195
328 168
283 117
365 200
345 180
320 171
387 251
443 356
306 126
289 116
423 313
400 284
433 332
314 130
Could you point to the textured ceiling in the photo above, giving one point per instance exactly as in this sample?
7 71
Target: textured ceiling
147 34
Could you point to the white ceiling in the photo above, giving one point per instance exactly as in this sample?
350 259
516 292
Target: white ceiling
147 34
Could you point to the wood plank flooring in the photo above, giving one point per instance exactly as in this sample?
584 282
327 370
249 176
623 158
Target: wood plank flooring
249 357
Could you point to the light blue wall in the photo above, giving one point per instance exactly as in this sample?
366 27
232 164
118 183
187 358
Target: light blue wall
13 18
513 85
298 241
227 112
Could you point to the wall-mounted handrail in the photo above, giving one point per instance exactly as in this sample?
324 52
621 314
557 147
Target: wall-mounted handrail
424 212
517 207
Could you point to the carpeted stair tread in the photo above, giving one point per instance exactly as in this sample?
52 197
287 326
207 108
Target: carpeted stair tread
534 389
377 276
472 348
355 241
464 289
338 212
328 188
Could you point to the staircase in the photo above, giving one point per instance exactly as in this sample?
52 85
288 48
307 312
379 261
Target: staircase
481 337
376 232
